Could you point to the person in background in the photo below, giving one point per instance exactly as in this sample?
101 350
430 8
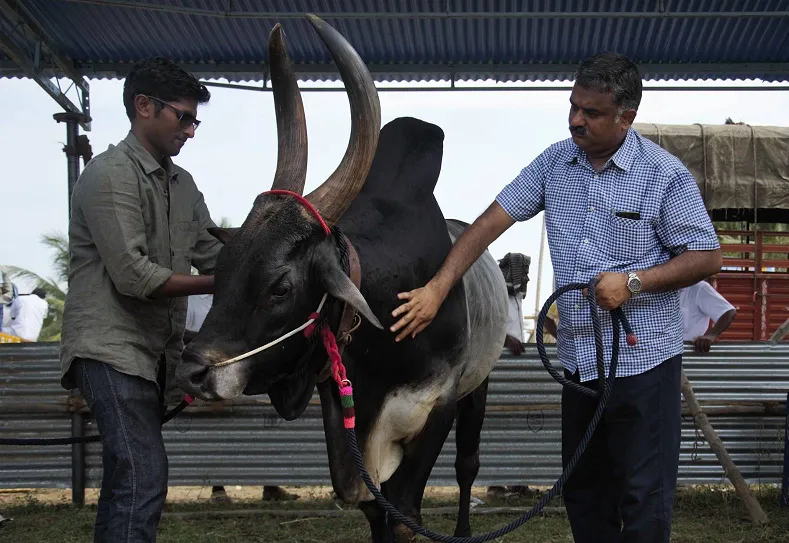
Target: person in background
29 314
197 308
515 268
8 307
700 304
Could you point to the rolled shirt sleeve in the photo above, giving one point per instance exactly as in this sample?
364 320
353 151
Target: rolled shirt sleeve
524 197
710 302
112 210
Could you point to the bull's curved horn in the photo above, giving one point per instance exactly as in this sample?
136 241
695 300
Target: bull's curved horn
335 195
291 124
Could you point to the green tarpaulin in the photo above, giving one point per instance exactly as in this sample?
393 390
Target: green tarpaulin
735 166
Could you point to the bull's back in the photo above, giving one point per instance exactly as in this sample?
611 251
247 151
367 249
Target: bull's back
486 305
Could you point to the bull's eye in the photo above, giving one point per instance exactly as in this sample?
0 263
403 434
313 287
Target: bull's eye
280 290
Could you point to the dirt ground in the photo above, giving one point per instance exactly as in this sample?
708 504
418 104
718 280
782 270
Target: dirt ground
701 515
198 494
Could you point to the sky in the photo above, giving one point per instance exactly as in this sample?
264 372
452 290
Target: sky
489 137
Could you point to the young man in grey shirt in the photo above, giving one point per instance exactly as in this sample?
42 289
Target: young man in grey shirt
138 224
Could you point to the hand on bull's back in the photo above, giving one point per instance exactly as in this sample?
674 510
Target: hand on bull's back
418 311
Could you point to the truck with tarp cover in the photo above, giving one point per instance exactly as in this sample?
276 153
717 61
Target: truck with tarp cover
742 172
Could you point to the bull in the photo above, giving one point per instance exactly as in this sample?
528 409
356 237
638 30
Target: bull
380 215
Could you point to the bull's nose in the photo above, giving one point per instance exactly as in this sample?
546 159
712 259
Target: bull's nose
193 376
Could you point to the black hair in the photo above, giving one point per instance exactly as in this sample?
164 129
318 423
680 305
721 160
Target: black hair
614 73
163 79
40 292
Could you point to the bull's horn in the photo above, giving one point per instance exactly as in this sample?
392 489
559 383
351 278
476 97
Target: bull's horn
334 196
291 124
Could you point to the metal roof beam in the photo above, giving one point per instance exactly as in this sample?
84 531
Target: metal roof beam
509 88
283 15
259 71
30 62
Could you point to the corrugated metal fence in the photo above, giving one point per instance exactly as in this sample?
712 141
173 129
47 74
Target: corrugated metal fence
742 387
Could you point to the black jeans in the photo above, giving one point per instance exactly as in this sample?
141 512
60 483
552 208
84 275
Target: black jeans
128 411
622 489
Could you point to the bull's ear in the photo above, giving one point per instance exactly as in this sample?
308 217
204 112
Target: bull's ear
341 287
223 234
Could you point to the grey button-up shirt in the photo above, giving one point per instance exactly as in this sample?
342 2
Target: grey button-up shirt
133 224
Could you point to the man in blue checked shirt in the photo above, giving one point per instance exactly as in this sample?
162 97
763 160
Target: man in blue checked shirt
621 209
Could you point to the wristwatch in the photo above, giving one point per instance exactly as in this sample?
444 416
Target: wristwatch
633 283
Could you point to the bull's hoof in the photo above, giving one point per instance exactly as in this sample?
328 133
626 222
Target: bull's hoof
220 496
277 494
403 534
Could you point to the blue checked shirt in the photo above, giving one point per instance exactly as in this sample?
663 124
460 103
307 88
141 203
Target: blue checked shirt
585 238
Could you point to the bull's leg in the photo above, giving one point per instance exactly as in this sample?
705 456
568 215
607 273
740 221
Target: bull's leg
376 517
406 487
471 414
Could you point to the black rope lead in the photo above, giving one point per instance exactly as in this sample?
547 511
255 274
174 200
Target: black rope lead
618 320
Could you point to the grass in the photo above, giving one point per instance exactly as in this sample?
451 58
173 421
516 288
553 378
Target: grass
701 515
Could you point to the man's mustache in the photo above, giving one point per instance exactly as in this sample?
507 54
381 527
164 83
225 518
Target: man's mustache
579 130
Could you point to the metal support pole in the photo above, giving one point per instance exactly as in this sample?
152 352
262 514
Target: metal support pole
785 478
73 121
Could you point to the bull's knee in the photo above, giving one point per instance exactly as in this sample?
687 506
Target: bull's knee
467 468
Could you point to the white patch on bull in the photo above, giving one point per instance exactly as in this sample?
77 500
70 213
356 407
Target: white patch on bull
403 416
405 411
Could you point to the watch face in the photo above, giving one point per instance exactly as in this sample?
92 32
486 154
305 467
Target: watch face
634 284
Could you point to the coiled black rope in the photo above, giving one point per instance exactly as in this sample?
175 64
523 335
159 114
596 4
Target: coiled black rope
83 439
618 319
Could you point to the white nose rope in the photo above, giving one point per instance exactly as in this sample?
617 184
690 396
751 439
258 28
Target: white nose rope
271 344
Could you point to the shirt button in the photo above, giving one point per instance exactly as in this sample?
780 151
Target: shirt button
591 209
586 241
578 306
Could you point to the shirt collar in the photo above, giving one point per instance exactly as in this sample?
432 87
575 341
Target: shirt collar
148 163
623 158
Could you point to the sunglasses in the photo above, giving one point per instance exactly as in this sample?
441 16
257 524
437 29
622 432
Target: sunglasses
185 118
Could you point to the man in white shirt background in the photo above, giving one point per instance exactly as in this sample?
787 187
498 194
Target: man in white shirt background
700 304
23 314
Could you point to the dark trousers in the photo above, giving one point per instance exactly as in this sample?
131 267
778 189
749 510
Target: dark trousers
622 489
128 411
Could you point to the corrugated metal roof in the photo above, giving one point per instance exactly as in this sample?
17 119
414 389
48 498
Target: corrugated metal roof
405 40
742 388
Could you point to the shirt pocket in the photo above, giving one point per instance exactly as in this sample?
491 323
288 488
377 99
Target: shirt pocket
183 240
629 239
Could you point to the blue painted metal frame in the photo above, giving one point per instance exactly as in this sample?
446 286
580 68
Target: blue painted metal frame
424 40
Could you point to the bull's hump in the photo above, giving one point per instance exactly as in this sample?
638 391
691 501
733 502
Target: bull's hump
407 160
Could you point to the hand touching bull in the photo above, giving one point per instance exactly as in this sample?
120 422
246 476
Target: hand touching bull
423 304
